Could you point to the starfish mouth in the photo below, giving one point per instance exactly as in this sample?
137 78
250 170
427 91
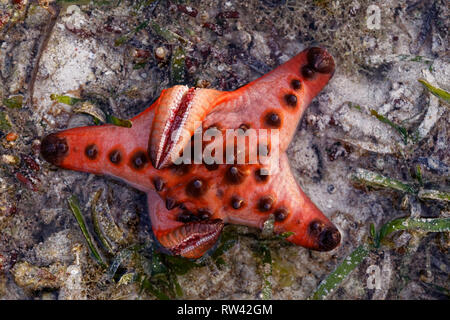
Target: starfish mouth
193 239
175 120
54 149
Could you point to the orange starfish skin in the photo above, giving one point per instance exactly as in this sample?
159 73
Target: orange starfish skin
189 204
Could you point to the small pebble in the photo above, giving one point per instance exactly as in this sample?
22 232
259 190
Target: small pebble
160 53
331 189
11 136
9 159
202 83
379 163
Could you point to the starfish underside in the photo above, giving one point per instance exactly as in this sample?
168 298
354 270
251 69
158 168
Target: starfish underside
190 203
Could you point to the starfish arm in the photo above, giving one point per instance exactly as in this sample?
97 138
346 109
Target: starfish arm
278 193
278 99
105 150
310 227
190 240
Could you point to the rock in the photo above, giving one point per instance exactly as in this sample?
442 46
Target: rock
32 277
56 248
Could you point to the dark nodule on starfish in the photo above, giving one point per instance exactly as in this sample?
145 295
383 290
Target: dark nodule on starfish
54 149
280 214
158 183
115 157
139 160
273 119
244 127
307 72
180 169
328 237
211 167
265 203
291 100
196 188
91 151
235 175
237 202
170 203
296 84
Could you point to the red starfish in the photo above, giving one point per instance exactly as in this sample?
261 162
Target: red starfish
189 204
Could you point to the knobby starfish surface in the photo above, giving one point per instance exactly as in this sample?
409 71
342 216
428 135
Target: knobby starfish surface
190 203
